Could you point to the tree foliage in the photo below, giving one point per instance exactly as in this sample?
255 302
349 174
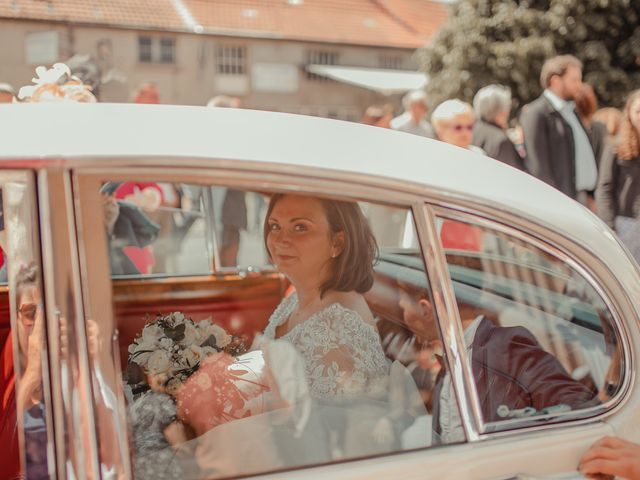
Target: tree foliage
507 41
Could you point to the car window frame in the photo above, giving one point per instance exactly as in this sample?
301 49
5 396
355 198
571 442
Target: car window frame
425 204
88 179
32 179
585 263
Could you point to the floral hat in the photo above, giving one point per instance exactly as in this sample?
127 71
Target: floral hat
56 85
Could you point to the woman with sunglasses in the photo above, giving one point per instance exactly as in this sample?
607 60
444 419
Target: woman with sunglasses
25 401
453 121
30 335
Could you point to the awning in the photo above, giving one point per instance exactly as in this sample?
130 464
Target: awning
380 80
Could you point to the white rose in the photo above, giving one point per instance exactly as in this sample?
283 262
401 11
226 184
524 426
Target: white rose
190 334
151 333
190 356
173 386
159 362
141 352
202 327
222 338
166 344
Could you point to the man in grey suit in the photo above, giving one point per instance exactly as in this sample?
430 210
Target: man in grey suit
558 147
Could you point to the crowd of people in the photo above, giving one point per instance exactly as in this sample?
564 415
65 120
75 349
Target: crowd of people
561 137
590 154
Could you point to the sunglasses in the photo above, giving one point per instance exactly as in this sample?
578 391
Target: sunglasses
29 310
460 127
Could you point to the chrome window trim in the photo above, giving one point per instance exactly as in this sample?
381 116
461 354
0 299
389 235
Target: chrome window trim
100 306
29 178
448 319
210 222
541 238
419 198
285 182
73 408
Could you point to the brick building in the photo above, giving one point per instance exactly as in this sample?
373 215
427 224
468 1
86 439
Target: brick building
283 55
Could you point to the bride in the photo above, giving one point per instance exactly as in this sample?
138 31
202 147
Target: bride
322 353
326 250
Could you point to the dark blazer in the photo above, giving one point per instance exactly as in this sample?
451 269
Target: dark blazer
548 139
234 209
493 140
618 190
598 136
511 368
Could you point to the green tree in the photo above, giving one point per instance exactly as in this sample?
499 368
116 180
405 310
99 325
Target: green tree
507 41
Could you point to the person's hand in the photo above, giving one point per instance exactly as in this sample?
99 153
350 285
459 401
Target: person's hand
110 211
611 456
93 338
383 431
30 386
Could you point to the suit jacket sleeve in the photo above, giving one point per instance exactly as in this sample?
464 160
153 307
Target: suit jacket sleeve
508 154
536 142
543 376
512 369
606 189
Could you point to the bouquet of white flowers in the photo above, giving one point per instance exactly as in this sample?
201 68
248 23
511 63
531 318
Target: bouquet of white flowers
171 348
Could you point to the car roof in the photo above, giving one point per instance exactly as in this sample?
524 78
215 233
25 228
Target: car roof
65 130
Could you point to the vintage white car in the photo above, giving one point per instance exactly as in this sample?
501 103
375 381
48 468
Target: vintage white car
138 285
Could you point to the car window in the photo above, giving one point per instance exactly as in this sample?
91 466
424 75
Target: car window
160 228
242 372
540 339
150 226
25 424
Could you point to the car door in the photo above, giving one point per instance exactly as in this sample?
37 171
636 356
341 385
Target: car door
402 225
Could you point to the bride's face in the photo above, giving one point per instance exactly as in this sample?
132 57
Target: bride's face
299 239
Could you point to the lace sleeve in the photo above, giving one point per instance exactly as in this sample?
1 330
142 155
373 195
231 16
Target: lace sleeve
343 354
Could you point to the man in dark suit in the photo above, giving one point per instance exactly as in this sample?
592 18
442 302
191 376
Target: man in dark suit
510 368
558 147
492 105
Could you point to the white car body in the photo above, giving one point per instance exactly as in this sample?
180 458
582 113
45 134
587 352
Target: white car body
364 162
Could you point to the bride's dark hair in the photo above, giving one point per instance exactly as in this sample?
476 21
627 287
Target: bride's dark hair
352 269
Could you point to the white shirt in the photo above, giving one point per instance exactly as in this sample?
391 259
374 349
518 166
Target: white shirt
585 161
451 430
405 123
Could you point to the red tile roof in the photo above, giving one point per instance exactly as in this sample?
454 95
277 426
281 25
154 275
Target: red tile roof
395 23
422 16
121 13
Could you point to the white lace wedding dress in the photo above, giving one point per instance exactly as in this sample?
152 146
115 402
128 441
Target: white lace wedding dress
335 404
341 352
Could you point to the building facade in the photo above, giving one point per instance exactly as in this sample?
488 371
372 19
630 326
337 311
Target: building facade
194 50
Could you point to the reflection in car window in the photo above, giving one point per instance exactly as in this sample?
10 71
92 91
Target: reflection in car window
155 228
258 372
539 338
24 419
181 229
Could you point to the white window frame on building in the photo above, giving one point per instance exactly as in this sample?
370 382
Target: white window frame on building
156 49
391 62
42 47
231 59
321 57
